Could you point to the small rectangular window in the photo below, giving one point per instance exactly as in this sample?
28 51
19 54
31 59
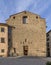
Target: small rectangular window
48 49
47 39
9 39
2 50
2 29
47 44
47 35
2 40
24 19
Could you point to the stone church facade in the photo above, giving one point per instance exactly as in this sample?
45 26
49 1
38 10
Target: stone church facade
26 35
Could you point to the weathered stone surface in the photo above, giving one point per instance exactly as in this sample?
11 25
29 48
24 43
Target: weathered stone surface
24 61
34 31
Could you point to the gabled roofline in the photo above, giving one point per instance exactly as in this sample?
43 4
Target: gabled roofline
4 24
49 31
25 12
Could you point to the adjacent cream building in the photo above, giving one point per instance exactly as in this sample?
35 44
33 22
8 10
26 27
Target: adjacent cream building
3 40
23 34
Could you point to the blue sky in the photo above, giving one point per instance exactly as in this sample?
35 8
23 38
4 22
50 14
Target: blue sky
41 7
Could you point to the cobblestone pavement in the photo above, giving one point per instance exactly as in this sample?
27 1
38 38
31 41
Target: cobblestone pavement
24 61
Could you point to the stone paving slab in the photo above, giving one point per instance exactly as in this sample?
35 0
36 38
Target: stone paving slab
24 61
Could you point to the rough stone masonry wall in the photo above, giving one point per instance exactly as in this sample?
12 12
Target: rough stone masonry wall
34 31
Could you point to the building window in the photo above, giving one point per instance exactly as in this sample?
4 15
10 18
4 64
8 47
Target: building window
2 29
36 17
48 52
47 39
9 39
14 17
2 40
48 49
24 19
2 50
47 35
48 44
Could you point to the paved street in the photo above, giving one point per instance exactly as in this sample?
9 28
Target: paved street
24 61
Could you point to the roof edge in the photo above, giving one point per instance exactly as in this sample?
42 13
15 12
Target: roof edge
49 31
